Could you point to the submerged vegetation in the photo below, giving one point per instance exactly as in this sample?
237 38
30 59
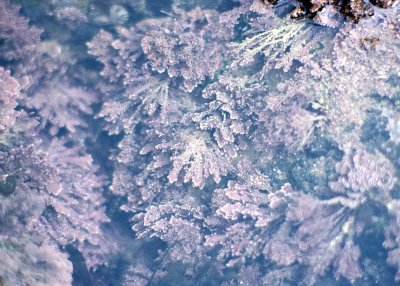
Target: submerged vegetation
227 142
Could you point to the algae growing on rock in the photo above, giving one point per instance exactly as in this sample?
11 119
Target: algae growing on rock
229 142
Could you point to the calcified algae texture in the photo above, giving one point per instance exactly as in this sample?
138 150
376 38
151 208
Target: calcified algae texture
229 142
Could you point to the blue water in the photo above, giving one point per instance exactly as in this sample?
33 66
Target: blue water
199 147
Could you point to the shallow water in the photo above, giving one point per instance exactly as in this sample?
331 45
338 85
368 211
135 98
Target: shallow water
197 143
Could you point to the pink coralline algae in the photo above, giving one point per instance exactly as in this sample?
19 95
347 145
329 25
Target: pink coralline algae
233 142
10 93
18 39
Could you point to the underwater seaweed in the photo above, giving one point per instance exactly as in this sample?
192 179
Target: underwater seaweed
36 177
24 263
249 221
9 95
18 39
224 143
